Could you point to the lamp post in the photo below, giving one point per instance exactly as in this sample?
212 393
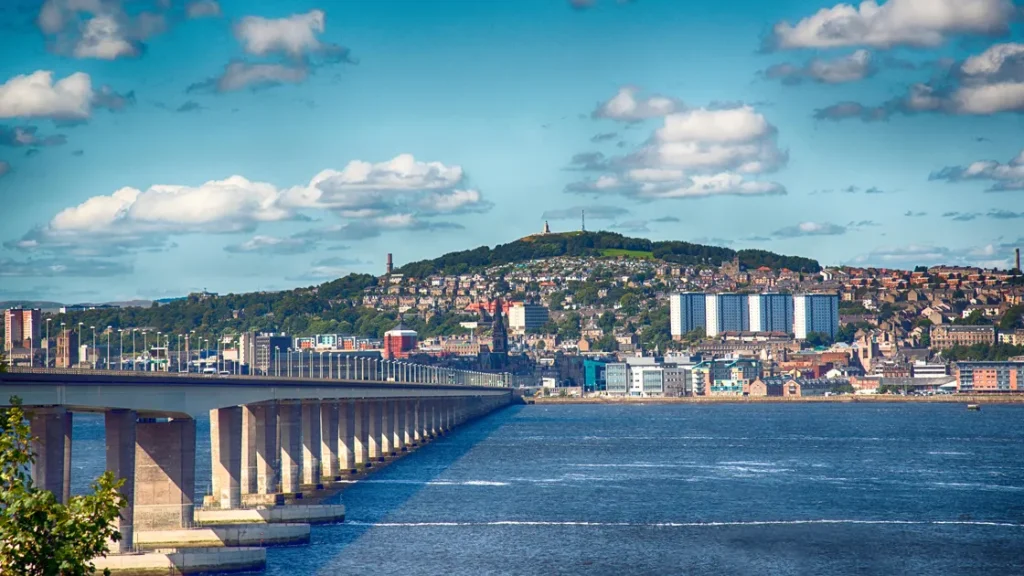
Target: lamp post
109 330
64 330
277 360
120 349
289 353
300 362
134 330
48 342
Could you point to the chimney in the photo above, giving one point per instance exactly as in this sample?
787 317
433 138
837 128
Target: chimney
390 267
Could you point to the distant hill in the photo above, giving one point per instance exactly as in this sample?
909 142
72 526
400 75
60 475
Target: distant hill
43 304
601 244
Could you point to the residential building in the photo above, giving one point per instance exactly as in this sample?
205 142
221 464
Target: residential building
67 349
1015 338
724 377
946 336
815 313
524 317
687 313
726 313
21 328
771 312
616 378
989 376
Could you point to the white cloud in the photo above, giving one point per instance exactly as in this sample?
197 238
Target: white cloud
851 68
895 23
36 95
627 107
293 35
1003 177
811 229
100 29
102 38
697 153
241 75
271 245
202 9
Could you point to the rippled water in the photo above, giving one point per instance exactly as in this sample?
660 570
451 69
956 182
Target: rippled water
681 489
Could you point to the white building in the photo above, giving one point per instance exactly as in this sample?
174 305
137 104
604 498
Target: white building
686 313
726 313
771 312
815 313
523 317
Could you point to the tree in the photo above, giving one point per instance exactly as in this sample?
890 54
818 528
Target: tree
39 536
818 339
607 321
1012 319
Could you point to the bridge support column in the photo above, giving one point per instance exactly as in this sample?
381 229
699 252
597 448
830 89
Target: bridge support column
248 481
165 474
346 437
374 433
361 439
119 426
399 426
268 454
329 440
427 423
290 431
51 432
435 418
387 422
226 456
311 443
409 423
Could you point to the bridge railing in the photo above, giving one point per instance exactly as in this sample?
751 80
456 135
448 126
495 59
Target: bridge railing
361 370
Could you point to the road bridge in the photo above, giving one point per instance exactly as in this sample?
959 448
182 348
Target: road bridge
270 436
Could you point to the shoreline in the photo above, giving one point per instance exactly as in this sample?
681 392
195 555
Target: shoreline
846 399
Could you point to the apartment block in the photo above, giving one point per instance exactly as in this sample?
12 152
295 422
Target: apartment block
989 376
726 313
687 313
945 336
815 313
771 312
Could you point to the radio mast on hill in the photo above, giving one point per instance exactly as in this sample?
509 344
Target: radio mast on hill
583 220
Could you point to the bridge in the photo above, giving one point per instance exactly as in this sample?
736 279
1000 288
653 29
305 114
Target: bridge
272 438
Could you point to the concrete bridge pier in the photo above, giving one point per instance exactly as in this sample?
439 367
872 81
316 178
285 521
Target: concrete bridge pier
311 444
51 432
399 427
226 456
165 474
346 437
248 479
409 423
290 431
329 441
373 442
387 423
120 440
361 439
264 442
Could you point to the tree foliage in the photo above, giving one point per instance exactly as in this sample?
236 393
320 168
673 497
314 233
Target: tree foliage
39 536
989 352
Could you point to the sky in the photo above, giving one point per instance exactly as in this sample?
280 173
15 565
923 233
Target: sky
152 148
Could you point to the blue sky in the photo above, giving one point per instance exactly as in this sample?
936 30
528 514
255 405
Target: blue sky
149 148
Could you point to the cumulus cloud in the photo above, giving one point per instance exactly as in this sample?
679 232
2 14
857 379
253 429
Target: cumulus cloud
811 229
696 153
907 257
72 98
851 68
988 83
202 9
20 136
98 29
271 245
1001 177
58 267
593 212
625 106
922 23
294 35
400 194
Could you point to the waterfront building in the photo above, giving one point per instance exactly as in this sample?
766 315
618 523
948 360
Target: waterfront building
944 336
524 317
922 369
616 378
815 313
593 375
726 313
724 377
21 328
770 312
399 342
989 376
265 347
687 313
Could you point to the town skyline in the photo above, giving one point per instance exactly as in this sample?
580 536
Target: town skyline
153 149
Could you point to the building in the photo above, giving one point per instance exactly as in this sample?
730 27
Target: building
677 380
944 336
647 381
267 348
524 317
21 328
989 376
67 349
770 312
921 369
815 313
687 311
724 377
593 375
616 378
399 342
726 313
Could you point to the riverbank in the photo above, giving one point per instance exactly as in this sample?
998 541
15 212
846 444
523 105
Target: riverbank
845 399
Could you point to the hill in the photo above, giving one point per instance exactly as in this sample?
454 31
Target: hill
599 244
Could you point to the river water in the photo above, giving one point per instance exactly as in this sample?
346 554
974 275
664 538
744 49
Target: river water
680 489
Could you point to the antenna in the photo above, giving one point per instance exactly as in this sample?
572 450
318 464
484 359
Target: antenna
583 220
